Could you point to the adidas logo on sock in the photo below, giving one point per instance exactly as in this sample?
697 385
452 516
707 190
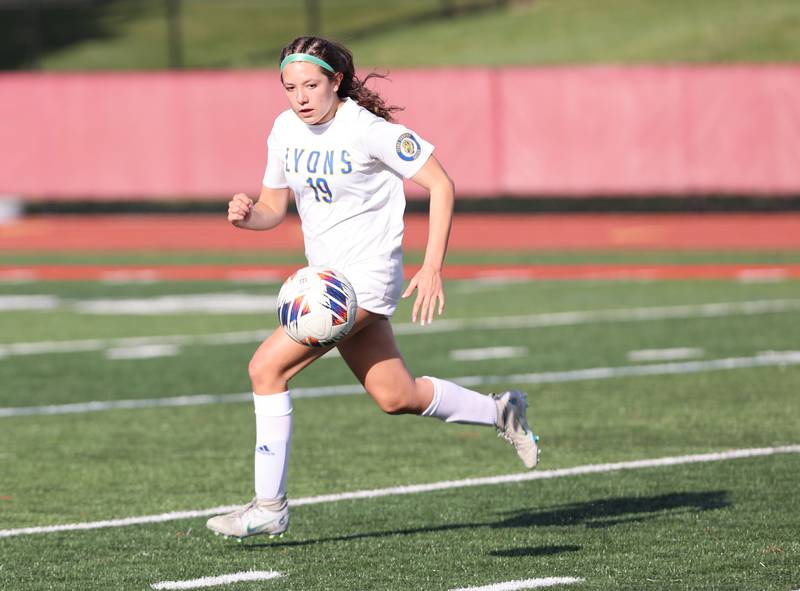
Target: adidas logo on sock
263 449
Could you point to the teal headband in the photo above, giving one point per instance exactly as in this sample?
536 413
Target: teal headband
306 57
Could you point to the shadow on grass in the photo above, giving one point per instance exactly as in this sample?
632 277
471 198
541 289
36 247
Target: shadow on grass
601 513
533 551
609 512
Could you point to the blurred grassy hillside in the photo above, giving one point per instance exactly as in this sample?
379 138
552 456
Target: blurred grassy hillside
133 34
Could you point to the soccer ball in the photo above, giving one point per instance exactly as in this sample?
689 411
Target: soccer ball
317 306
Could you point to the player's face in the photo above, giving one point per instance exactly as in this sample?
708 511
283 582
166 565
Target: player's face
311 94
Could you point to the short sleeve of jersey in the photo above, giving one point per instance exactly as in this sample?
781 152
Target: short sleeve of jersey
396 146
274 176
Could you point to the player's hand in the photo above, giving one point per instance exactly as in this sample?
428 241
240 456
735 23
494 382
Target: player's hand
239 209
428 283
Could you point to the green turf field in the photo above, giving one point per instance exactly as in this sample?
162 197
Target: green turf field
249 33
491 257
727 524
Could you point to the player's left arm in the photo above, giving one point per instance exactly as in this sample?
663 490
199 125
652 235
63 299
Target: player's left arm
428 280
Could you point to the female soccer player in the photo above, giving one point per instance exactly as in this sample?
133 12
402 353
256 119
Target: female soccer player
337 151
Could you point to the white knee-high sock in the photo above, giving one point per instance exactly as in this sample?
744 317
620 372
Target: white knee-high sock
455 404
273 439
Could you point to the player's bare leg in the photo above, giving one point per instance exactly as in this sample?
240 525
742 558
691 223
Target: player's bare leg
274 364
374 358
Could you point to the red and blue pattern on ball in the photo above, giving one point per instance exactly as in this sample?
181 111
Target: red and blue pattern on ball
337 300
290 311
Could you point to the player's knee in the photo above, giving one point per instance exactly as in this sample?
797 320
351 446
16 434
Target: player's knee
393 402
394 406
264 375
255 368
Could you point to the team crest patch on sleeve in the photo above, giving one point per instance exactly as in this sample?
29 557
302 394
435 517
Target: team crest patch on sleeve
408 147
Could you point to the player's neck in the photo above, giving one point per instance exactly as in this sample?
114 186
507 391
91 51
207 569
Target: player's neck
332 113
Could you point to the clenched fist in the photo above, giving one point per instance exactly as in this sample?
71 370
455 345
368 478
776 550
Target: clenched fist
239 209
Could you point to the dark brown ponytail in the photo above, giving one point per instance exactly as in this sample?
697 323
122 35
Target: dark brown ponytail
341 60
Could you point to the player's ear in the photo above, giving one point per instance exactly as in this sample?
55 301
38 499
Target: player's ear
337 81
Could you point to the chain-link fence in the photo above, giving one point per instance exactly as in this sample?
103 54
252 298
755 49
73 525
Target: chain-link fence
153 34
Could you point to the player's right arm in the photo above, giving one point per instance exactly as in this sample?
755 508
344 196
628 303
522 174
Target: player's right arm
264 214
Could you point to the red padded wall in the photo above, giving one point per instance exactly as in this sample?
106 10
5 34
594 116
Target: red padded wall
516 131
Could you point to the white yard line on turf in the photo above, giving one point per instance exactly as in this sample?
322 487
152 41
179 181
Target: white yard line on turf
207 303
253 575
23 303
483 353
193 400
761 275
422 488
670 354
764 359
142 352
603 373
525 584
716 310
47 347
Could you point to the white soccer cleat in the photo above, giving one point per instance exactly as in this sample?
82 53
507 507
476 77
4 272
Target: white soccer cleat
513 426
255 518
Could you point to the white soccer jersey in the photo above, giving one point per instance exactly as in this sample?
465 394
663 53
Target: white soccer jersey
346 176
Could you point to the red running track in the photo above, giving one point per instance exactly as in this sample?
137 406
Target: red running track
136 273
471 232
479 232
